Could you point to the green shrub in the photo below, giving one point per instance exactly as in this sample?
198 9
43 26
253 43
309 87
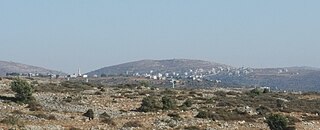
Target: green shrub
203 114
280 103
168 103
23 90
188 103
277 122
255 92
266 90
144 83
149 104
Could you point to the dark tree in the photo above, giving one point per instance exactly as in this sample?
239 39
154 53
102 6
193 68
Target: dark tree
89 114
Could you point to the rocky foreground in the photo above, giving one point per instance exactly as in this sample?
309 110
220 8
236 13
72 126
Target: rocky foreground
117 107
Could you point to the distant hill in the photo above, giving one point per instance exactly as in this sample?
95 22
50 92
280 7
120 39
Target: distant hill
290 78
12 67
287 78
158 66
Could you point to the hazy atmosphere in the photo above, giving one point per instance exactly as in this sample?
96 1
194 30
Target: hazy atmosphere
65 35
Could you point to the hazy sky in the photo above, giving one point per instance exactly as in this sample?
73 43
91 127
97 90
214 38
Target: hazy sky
67 34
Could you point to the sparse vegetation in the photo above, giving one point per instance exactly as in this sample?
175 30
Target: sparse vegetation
175 116
11 120
34 106
23 90
160 108
203 114
133 124
277 122
168 103
109 121
150 104
106 118
188 103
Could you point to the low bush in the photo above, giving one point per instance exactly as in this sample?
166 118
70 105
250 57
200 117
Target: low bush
220 93
263 110
23 90
175 116
192 128
168 103
11 120
108 121
150 104
74 128
188 103
34 106
89 114
52 117
205 114
255 92
133 124
277 122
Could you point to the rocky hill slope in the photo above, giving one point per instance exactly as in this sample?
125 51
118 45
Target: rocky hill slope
287 78
12 67
158 66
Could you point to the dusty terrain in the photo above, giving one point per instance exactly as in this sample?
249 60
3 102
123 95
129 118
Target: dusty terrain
61 105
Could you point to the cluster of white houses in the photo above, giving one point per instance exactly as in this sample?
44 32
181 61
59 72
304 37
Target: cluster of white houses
194 74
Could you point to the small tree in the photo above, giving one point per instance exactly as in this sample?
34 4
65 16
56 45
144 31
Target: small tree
23 90
89 114
168 103
149 104
277 122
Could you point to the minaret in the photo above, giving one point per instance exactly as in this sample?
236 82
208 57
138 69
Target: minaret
173 82
79 72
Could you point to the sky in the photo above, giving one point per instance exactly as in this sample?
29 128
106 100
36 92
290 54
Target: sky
69 34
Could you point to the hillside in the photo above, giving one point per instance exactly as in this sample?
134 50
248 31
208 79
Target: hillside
12 67
287 78
158 66
290 78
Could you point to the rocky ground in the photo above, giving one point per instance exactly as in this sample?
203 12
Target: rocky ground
116 108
